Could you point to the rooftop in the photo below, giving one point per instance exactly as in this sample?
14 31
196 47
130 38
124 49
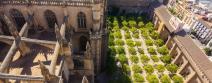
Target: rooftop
185 41
205 22
200 14
28 64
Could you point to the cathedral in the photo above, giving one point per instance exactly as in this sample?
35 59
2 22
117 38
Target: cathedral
66 41
52 41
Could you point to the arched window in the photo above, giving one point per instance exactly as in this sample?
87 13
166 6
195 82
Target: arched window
4 27
18 18
81 20
82 44
78 64
50 18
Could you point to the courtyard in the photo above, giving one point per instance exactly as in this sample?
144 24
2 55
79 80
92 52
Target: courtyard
137 54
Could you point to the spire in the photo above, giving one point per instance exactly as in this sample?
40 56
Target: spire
49 78
44 71
85 80
57 31
58 35
88 46
88 50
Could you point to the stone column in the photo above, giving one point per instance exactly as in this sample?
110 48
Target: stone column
177 58
93 42
97 28
96 17
160 27
94 49
185 63
84 80
190 76
173 49
156 21
168 42
100 50
88 60
96 40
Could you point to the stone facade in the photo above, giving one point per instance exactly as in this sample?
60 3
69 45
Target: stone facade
77 41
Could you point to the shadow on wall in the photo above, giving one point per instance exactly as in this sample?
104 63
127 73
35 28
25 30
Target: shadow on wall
180 33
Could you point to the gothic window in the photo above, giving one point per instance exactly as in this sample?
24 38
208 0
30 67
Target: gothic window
78 64
50 18
4 27
81 19
18 18
83 41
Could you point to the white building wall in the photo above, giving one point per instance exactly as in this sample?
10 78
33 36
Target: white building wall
209 44
203 33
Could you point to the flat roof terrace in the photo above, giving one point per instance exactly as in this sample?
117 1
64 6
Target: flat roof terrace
26 49
28 64
185 42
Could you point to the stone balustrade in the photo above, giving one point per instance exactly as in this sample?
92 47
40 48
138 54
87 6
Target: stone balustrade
52 2
20 77
24 77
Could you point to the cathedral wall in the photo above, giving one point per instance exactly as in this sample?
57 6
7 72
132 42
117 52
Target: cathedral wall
76 41
58 10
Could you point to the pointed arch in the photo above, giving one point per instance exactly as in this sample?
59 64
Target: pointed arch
50 18
78 64
82 43
18 18
4 27
81 19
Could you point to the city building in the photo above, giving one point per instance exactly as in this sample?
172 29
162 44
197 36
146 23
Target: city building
194 65
53 41
203 31
195 18
65 41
